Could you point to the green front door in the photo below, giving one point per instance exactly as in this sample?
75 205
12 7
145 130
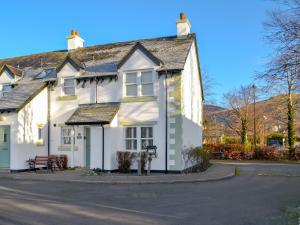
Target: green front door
88 147
4 146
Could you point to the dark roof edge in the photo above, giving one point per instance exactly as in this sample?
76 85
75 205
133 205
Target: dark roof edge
199 67
139 46
88 123
74 62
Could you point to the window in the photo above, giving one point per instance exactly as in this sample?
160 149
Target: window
131 138
6 88
69 86
147 83
131 84
138 138
139 84
66 136
39 133
146 137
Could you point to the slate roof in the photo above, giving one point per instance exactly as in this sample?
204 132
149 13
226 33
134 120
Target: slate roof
11 69
97 62
172 51
20 95
88 114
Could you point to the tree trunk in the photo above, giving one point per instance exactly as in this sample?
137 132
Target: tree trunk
244 132
290 126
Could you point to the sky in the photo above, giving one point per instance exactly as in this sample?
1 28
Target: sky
229 32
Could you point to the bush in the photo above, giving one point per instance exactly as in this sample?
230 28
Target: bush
231 140
266 153
199 157
124 161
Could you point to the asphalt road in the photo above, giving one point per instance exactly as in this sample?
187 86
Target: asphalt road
244 200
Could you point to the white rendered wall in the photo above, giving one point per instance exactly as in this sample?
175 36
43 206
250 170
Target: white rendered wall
24 131
192 129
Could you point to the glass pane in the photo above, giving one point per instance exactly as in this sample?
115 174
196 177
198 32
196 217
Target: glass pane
146 142
131 144
128 132
69 90
146 132
131 90
146 77
6 88
150 132
67 140
69 82
134 144
131 78
147 89
128 144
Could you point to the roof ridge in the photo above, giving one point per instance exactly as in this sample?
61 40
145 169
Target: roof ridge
96 45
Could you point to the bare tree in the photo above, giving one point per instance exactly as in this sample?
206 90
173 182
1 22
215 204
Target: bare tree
282 73
208 87
239 101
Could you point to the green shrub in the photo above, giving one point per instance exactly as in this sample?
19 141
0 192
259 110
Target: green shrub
200 157
124 161
231 140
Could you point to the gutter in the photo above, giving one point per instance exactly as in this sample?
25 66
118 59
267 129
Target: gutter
102 148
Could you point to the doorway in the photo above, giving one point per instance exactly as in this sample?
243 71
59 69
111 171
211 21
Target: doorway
4 146
87 135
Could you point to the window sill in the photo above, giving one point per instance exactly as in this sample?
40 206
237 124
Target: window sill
66 98
66 148
39 143
139 99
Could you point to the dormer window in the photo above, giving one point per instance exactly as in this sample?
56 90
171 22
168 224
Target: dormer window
139 84
6 88
69 86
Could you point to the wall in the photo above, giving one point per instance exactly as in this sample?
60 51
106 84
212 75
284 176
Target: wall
24 131
192 103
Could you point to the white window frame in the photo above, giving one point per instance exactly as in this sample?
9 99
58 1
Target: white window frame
141 84
132 139
131 84
62 137
5 92
64 86
138 137
146 138
138 82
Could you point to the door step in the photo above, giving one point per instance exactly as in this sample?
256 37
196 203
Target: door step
4 171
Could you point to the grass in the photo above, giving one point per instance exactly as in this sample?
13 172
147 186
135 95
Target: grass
293 215
257 161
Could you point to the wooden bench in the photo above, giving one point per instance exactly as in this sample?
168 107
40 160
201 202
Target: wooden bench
44 161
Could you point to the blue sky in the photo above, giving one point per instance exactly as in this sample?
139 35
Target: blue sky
229 32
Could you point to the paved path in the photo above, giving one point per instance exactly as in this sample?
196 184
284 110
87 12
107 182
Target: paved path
248 199
215 172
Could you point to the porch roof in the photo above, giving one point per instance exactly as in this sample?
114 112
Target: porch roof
94 114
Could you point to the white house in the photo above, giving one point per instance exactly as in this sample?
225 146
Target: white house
90 102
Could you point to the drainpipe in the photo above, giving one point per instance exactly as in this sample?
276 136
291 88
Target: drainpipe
102 148
72 147
48 117
166 103
96 100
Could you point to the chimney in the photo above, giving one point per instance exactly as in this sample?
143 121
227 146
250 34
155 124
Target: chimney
183 25
74 40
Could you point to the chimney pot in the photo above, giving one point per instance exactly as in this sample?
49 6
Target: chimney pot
182 16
